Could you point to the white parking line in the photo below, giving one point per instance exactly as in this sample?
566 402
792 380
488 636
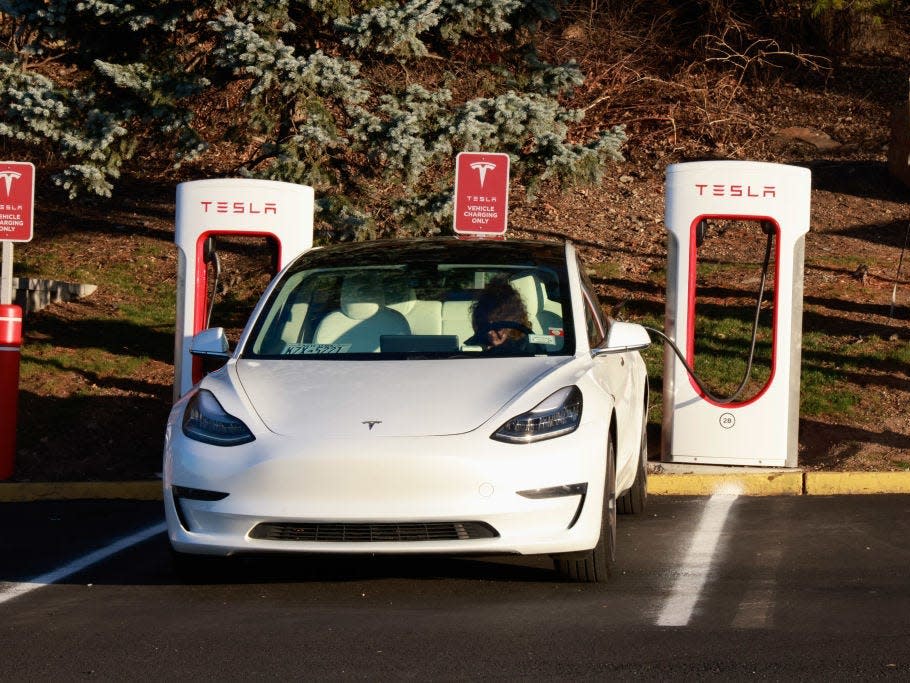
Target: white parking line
693 572
17 589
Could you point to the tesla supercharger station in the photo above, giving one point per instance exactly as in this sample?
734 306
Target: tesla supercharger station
762 429
282 212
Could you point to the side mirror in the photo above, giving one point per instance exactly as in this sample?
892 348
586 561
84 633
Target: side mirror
210 343
624 337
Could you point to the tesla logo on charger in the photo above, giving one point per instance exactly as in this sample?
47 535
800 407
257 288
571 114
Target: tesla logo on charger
481 193
239 207
724 190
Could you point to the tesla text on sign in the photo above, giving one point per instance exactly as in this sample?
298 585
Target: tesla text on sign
481 193
17 194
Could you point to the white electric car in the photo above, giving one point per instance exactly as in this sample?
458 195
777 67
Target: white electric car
367 409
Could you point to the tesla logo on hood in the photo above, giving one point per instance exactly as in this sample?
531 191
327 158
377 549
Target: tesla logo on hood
371 423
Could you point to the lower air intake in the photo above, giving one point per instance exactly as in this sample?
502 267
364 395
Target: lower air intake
322 532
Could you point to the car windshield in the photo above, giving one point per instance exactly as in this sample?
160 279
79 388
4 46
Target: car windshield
418 299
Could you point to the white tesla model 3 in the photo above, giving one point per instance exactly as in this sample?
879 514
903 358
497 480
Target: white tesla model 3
392 397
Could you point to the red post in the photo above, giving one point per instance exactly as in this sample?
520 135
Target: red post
10 342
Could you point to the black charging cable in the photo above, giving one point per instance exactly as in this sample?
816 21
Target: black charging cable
210 255
745 380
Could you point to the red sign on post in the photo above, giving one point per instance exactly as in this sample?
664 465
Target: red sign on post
17 200
481 193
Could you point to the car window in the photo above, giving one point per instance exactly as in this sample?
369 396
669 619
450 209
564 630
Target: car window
415 308
595 322
595 332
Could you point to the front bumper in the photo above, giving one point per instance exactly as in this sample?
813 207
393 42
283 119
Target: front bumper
538 498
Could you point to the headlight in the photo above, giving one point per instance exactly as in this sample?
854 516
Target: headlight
556 415
205 420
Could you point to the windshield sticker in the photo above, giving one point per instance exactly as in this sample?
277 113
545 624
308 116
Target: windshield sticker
309 349
545 339
556 332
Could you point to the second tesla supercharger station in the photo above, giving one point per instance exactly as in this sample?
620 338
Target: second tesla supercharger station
763 429
280 211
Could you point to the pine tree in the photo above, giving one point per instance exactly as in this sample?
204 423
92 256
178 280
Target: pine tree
123 62
319 95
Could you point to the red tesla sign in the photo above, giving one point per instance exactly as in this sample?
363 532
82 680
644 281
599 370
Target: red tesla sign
481 193
17 200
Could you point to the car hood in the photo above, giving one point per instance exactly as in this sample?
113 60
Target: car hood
400 398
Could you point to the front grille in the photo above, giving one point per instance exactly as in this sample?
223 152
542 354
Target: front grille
326 532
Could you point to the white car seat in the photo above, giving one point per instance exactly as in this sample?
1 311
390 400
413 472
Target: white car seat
292 330
424 317
532 292
362 318
456 319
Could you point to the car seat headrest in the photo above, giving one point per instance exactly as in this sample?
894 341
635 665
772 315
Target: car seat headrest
362 295
528 287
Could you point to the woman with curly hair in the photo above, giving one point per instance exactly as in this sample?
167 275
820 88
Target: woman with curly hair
500 319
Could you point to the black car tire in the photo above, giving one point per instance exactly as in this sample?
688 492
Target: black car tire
596 565
635 500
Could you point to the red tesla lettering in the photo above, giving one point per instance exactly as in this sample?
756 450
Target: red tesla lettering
239 207
723 190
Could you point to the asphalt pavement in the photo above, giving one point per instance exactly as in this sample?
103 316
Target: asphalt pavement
721 586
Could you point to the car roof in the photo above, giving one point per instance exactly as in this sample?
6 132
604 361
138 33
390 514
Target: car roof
435 250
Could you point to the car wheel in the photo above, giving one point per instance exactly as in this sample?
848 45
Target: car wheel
635 499
596 565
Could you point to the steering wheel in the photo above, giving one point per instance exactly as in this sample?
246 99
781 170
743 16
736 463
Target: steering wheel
507 325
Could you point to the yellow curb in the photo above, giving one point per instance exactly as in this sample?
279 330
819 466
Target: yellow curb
835 483
101 490
763 484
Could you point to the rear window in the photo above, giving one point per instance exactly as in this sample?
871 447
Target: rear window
425 300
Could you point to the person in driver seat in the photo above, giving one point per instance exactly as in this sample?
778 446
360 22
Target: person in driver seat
500 319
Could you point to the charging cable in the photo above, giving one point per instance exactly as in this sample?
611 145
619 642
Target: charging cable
210 255
745 380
